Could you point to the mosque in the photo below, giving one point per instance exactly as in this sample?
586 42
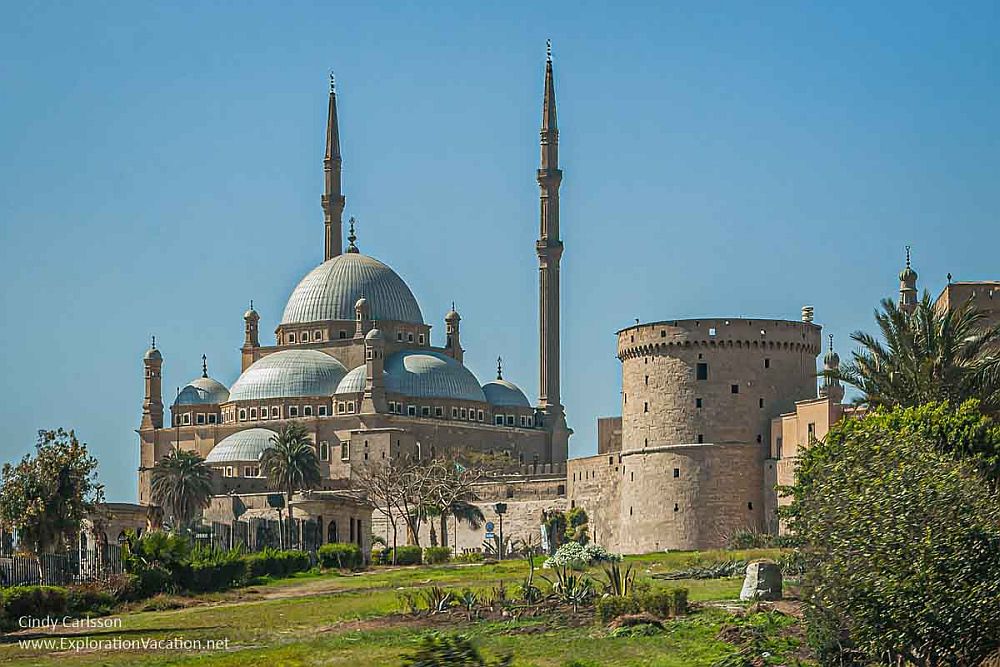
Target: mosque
714 410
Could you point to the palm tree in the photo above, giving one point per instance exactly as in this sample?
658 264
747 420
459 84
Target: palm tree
182 483
290 463
462 511
927 355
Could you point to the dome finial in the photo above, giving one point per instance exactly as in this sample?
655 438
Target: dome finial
333 82
949 277
548 50
352 237
499 368
907 256
204 366
251 304
831 342
154 343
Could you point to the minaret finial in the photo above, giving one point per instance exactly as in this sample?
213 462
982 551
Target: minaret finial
907 256
251 304
831 342
949 277
548 50
154 342
333 82
499 368
352 237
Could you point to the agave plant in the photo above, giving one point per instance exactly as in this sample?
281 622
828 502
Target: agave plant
571 588
620 582
469 600
437 599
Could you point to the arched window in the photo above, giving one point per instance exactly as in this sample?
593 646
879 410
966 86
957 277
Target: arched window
331 532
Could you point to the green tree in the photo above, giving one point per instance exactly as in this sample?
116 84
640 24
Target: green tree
46 496
577 526
926 356
290 463
900 534
181 483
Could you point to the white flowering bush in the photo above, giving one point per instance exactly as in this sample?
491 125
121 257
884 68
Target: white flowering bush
576 556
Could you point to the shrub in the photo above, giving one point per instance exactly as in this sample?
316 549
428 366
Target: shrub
341 555
380 556
470 557
89 600
435 555
577 556
611 607
406 555
276 563
437 650
31 601
665 602
154 580
750 538
124 587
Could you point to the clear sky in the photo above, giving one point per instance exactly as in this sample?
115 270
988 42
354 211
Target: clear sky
162 165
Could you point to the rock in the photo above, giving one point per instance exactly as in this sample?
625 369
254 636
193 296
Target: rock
762 582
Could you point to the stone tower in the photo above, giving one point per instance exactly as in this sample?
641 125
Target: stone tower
152 404
373 399
907 286
550 249
453 342
251 336
333 197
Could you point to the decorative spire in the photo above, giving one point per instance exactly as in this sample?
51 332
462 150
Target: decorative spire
907 256
949 277
352 237
831 342
549 123
548 50
333 82
499 368
204 366
333 196
154 343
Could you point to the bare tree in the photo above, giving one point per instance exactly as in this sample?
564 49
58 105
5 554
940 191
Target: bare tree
381 484
451 493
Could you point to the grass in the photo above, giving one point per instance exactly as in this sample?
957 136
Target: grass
335 619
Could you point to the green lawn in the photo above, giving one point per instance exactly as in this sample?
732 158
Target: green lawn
335 619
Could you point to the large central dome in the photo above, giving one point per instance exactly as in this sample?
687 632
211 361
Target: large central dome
330 291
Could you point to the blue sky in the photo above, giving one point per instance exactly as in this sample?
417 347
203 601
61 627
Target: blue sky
162 166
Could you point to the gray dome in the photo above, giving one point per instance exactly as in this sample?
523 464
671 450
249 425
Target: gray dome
420 374
153 354
504 393
289 373
248 445
203 391
331 290
374 335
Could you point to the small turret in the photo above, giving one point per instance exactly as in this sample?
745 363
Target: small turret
831 387
452 328
362 317
251 338
373 399
152 404
907 286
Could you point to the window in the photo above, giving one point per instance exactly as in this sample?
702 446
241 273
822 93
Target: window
293 411
734 388
200 419
411 410
317 336
702 372
243 414
322 411
399 336
186 418
472 415
499 420
524 420
480 415
463 411
677 507
275 412
677 473
749 506
291 338
263 412
697 403
454 413
760 403
350 406
343 334
211 419
345 450
253 414
531 420
647 380
409 337
811 430
421 339
767 363
760 438
324 451
425 411
438 411
645 406
701 437
510 420
778 447
663 333
305 336
341 408
307 411
711 331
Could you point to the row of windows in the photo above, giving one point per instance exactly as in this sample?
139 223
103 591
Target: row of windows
248 471
199 419
317 337
470 414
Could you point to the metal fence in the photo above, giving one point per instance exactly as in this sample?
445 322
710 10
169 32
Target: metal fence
94 564
258 534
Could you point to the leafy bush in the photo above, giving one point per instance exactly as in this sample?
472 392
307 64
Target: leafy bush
665 602
213 570
577 556
729 568
341 555
610 607
124 587
276 563
901 535
408 555
750 538
89 600
31 601
470 557
436 555
437 650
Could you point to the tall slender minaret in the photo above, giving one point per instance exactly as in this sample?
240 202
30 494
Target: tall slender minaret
550 249
333 197
152 403
908 286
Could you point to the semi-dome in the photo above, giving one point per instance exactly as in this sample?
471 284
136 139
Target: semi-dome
506 394
248 445
420 374
203 391
289 373
332 289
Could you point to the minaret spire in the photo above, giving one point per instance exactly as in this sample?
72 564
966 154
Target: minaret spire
499 368
333 197
550 248
204 366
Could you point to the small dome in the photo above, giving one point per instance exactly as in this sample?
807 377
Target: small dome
452 315
420 374
907 275
332 289
248 445
831 359
506 394
152 354
203 391
374 335
289 373
360 303
251 315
